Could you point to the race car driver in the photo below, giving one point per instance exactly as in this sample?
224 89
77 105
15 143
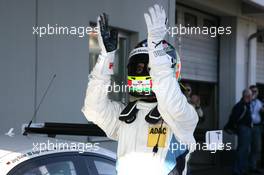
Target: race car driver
155 131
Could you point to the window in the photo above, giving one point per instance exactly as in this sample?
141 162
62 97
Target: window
51 164
209 23
102 166
190 20
67 163
260 39
261 91
57 168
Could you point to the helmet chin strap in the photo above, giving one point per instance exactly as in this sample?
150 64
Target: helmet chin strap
148 99
151 99
129 113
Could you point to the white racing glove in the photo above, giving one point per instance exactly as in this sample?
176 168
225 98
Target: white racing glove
156 25
108 41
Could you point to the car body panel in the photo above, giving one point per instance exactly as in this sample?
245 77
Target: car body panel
17 149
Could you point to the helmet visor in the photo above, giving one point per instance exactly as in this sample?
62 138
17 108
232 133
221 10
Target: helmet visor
138 65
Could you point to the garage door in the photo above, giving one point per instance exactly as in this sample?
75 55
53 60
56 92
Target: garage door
260 62
199 52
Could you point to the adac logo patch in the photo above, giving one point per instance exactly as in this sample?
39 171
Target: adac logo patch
156 133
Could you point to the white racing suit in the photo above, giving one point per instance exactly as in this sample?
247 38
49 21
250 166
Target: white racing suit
136 140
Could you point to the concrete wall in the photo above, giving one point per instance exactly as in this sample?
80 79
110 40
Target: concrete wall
17 60
227 70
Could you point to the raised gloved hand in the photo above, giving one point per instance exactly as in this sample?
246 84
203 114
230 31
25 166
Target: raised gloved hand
107 39
156 23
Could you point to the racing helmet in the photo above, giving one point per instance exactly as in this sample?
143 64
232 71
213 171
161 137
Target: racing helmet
139 81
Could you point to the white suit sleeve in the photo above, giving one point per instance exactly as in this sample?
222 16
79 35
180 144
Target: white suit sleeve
97 107
172 104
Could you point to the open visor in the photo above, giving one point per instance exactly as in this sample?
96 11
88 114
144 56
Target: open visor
138 65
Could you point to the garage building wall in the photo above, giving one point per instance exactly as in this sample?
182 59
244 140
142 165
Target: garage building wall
17 62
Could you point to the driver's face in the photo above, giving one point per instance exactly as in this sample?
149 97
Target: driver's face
140 68
254 92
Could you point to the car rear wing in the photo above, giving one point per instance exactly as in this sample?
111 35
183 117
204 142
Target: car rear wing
53 129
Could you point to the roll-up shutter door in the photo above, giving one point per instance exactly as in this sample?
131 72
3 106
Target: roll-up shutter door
199 52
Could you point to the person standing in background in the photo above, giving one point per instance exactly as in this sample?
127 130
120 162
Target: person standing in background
195 101
187 90
241 117
256 107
